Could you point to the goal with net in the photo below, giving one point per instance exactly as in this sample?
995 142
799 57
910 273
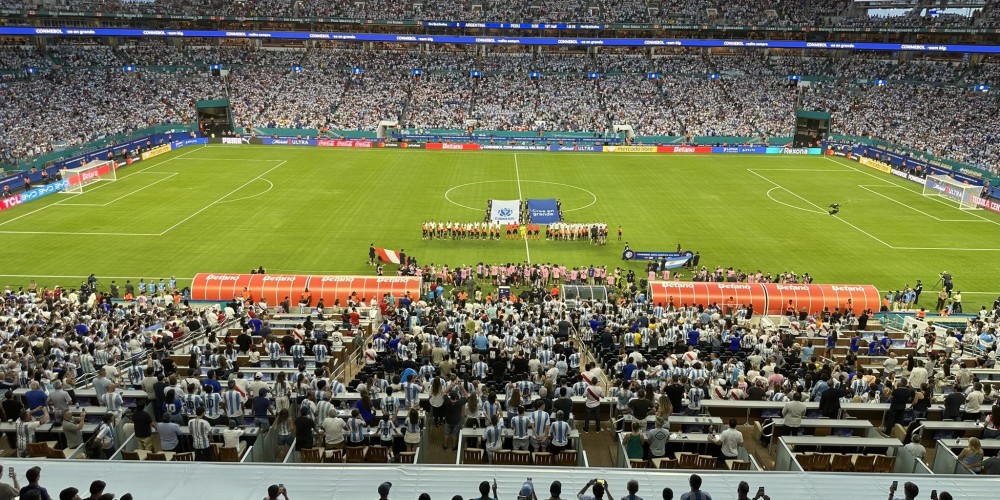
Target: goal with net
95 171
945 187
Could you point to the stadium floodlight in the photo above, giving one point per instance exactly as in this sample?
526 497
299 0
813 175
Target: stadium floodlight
653 76
476 73
357 71
982 88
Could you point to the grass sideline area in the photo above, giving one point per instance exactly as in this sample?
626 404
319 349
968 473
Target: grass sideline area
314 210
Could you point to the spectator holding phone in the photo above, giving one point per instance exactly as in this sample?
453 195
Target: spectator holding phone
600 487
7 491
276 490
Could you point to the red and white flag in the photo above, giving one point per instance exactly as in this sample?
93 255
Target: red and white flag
390 256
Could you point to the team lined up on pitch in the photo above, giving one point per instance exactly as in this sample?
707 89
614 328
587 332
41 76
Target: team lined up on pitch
596 233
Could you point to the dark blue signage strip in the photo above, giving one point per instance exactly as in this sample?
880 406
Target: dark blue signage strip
610 42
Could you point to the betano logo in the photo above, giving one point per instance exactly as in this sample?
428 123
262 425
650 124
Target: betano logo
222 277
793 288
392 280
336 279
847 288
281 278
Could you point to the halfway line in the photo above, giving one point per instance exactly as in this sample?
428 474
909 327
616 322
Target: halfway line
517 174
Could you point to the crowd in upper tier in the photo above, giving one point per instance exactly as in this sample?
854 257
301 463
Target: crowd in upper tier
75 94
729 12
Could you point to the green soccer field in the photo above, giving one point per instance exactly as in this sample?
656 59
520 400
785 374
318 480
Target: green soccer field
298 210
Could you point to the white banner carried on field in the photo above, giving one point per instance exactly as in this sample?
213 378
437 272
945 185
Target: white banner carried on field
505 211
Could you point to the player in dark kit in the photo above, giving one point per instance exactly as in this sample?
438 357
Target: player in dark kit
834 208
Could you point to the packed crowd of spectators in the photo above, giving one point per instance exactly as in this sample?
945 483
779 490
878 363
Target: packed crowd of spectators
928 104
730 12
952 122
78 107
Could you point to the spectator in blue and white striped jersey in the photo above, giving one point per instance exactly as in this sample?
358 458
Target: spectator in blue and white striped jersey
274 353
232 401
540 423
298 352
520 426
356 429
25 429
560 430
321 353
493 438
213 405
192 401
200 436
113 400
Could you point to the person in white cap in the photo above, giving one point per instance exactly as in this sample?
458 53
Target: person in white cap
258 383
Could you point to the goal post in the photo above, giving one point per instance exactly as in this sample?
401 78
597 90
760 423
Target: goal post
95 171
945 187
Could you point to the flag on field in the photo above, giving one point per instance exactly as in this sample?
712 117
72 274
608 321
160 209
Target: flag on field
390 256
505 211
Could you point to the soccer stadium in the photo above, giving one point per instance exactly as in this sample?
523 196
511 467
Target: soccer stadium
692 249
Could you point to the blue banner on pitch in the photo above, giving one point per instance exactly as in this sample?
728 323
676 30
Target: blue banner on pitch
544 211
671 260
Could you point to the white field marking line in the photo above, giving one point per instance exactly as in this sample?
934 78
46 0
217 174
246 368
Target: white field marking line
169 175
227 159
98 187
517 173
908 188
216 202
791 206
71 276
867 186
270 186
447 194
800 170
947 249
78 234
862 231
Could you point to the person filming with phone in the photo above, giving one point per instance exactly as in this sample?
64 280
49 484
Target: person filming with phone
275 491
743 492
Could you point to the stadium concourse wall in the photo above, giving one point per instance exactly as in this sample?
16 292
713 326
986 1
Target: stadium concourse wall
142 148
766 298
277 287
916 170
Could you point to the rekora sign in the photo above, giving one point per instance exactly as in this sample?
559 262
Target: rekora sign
284 141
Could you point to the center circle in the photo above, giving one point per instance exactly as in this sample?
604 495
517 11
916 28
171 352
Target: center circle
447 194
